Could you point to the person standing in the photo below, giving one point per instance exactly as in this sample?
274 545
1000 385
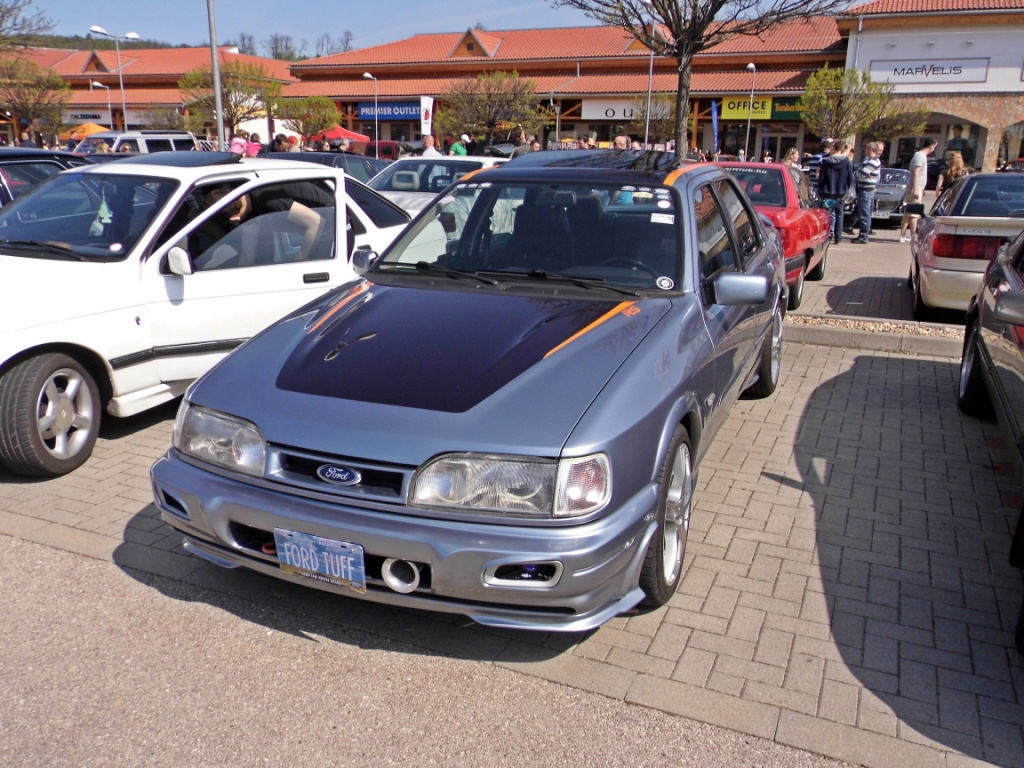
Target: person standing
429 150
955 168
867 181
915 190
459 148
835 177
620 142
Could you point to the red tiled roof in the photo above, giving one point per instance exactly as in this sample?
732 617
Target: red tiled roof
567 43
168 64
139 98
769 81
932 6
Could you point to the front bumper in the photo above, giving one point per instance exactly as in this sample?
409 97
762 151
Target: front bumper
225 521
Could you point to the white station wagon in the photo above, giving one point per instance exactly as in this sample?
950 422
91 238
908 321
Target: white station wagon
123 282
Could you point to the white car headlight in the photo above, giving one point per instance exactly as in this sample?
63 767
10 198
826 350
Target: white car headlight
515 485
219 439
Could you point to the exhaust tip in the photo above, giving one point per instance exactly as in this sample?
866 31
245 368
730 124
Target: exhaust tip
400 575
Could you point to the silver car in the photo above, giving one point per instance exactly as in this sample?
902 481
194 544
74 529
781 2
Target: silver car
504 416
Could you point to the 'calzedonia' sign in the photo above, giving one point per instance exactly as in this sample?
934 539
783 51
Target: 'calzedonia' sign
924 71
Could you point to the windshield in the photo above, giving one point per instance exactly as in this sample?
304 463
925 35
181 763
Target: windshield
894 177
622 235
96 216
995 195
764 186
430 176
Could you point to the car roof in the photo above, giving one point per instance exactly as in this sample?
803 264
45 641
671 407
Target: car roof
26 153
192 165
448 159
615 166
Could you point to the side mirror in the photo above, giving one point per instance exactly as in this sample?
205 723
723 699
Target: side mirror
914 209
179 262
731 289
362 258
1010 307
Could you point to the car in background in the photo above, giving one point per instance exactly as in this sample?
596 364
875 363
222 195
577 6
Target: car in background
125 281
992 367
139 142
936 167
504 416
412 182
967 225
1013 165
383 150
888 204
784 194
22 170
357 166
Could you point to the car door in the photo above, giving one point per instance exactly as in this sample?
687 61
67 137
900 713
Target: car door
1004 341
245 274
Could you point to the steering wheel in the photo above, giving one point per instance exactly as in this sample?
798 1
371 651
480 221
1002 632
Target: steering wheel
631 263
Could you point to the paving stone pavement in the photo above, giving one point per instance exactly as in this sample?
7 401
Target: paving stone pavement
846 587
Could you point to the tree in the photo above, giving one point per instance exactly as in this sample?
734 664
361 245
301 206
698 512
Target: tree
163 118
17 24
662 124
838 104
308 116
247 92
328 46
494 103
246 44
683 28
33 94
281 47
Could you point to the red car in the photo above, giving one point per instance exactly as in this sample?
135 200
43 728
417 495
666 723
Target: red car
784 195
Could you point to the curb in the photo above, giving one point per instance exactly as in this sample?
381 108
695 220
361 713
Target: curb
877 341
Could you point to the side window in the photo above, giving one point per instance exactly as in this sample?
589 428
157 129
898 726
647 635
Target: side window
274 224
21 177
381 211
128 145
1015 256
356 169
184 145
743 225
158 145
713 240
803 187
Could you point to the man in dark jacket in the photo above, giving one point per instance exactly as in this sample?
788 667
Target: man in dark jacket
835 177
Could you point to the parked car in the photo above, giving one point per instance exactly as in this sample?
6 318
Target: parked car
122 282
888 204
1013 165
139 142
936 167
412 182
785 196
992 367
504 417
24 169
357 166
963 232
383 150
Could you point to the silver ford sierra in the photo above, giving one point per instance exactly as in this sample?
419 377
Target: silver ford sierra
503 416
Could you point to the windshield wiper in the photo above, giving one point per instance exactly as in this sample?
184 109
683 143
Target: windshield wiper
583 282
426 266
55 249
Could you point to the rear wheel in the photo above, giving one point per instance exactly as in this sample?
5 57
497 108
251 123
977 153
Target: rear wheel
49 416
796 292
972 395
663 562
818 273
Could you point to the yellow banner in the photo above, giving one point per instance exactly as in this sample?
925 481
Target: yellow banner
738 107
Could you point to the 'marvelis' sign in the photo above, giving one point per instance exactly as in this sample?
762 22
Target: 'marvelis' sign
924 71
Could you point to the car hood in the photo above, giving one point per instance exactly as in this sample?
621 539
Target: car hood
35 291
400 373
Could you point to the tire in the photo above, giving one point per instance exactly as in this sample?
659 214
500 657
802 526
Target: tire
663 562
972 396
770 364
49 416
796 293
818 273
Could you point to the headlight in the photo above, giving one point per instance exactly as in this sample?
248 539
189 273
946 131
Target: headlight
217 438
514 485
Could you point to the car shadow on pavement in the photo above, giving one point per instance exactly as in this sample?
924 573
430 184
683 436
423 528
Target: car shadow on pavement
882 297
913 506
151 553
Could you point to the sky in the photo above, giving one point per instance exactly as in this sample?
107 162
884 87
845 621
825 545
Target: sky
371 22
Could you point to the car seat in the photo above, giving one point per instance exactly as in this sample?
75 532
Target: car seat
406 180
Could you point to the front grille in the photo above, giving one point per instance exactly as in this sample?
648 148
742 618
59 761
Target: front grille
298 468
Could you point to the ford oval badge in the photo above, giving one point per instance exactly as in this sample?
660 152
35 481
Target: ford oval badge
335 475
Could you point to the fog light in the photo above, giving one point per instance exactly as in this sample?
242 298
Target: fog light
538 575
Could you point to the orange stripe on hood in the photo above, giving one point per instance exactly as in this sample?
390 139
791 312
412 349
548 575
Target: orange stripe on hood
606 316
355 292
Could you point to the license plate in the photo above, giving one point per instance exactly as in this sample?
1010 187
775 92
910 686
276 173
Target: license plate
314 557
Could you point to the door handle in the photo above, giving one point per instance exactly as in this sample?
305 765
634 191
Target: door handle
315 277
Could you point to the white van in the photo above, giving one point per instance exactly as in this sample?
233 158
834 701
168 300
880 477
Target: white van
137 141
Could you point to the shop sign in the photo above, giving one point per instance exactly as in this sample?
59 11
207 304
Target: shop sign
739 107
80 116
622 110
925 71
408 111
786 108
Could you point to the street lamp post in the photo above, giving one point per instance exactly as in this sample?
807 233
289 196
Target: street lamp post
376 127
120 76
750 107
110 111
